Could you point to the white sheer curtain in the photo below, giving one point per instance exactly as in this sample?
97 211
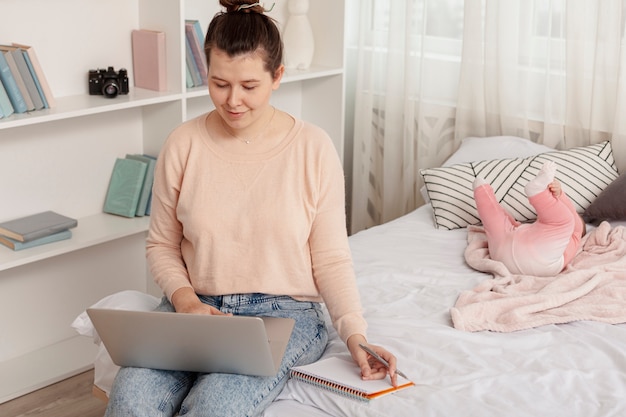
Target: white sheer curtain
407 75
551 71
430 72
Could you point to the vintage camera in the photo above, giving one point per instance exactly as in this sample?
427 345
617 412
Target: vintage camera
107 82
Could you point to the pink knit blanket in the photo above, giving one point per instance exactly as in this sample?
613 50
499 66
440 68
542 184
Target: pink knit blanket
592 287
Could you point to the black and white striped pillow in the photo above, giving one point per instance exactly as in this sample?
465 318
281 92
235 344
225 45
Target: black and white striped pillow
583 172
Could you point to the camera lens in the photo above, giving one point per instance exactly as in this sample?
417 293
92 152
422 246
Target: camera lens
110 88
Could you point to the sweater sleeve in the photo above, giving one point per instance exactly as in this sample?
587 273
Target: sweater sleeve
333 270
163 245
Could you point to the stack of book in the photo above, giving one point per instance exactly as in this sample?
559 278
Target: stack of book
23 84
195 56
130 188
36 229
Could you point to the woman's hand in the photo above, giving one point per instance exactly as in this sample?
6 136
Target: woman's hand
185 300
370 367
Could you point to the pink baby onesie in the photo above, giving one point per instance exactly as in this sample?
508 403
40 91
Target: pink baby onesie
542 248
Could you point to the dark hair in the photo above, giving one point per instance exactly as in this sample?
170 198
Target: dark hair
244 30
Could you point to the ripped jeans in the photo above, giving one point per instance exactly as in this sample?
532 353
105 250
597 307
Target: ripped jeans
142 392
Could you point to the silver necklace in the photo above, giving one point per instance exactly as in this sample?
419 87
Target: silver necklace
250 140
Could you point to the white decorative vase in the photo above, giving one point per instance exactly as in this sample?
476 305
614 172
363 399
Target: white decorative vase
298 36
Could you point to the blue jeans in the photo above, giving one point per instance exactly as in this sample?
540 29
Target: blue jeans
151 392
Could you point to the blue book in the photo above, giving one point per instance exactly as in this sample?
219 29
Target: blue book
146 189
149 207
125 187
198 29
33 73
6 108
17 245
191 64
188 78
30 105
200 39
11 87
196 46
38 70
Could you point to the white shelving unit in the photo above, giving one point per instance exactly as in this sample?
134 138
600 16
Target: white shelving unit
61 159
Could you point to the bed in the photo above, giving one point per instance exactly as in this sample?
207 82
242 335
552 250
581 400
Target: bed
411 273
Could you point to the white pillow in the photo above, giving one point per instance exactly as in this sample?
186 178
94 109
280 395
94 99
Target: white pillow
495 147
583 172
104 368
123 300
474 149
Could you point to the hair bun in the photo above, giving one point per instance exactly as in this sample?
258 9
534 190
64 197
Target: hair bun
244 6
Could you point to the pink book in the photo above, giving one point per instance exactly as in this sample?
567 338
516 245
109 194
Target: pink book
149 65
194 34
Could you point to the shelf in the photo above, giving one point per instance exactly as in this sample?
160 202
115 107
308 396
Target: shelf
82 105
291 76
314 72
46 366
91 230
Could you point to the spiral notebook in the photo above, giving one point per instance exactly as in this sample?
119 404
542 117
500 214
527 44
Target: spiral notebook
344 377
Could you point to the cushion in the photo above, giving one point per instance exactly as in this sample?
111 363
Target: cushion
610 204
491 147
494 147
584 173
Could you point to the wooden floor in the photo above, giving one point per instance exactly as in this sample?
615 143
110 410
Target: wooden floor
69 398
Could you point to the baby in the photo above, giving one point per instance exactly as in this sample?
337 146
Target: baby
542 248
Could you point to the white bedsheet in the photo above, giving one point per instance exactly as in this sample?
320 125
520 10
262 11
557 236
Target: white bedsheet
410 275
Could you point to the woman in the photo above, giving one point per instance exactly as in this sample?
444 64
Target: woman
247 218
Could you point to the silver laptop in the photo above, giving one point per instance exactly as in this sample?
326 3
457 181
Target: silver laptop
193 342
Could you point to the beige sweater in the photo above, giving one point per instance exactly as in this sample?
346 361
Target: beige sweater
270 223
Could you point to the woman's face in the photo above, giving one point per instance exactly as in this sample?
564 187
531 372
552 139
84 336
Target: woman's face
240 87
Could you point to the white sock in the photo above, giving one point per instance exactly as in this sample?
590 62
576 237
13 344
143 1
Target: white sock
478 181
542 180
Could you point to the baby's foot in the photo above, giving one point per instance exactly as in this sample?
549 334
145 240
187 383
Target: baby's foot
478 181
542 180
548 168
